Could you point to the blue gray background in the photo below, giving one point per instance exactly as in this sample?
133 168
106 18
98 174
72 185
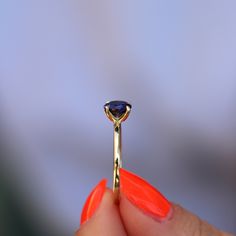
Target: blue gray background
60 61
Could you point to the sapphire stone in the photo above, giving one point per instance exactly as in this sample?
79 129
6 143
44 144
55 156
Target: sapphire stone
117 108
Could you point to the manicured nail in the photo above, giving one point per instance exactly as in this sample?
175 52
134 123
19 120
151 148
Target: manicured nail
143 195
93 201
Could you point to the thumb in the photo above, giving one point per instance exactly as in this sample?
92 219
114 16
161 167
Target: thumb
145 211
100 215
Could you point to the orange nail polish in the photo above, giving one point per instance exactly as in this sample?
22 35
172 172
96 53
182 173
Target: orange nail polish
143 195
93 201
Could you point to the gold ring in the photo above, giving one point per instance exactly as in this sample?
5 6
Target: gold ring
117 112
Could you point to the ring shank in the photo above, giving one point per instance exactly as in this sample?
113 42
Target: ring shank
117 162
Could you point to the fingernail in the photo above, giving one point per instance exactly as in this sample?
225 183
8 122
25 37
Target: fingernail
93 201
143 195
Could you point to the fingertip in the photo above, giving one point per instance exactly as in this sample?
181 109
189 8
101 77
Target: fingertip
93 201
106 218
144 196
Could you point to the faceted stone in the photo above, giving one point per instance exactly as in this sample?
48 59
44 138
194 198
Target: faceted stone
117 108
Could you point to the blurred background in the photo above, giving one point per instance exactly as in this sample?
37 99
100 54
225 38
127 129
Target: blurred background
60 61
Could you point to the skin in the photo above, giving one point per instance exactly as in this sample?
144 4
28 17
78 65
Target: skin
111 219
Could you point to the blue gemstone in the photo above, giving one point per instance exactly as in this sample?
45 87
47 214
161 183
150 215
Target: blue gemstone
117 108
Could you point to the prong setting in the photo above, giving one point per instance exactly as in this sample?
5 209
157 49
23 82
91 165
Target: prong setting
126 108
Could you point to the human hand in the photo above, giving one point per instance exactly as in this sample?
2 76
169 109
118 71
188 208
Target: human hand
142 210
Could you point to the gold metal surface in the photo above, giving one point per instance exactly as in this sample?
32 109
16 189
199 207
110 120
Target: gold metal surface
117 161
117 146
